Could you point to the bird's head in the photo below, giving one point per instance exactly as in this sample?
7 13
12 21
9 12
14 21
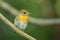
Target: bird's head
24 12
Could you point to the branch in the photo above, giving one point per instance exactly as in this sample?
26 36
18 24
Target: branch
12 26
44 22
9 8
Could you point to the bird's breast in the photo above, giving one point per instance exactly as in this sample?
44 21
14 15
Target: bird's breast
22 18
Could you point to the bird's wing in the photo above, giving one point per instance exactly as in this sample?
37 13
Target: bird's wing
15 21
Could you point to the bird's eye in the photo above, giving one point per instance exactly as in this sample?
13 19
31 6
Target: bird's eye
24 12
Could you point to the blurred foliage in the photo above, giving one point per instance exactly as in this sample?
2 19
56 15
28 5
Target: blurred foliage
58 7
33 6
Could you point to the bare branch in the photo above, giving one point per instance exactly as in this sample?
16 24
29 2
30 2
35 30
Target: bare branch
12 26
44 22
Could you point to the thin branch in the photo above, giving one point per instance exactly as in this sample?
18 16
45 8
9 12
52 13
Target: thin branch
44 22
12 26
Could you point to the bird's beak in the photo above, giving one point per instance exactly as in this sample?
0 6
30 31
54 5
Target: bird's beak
29 13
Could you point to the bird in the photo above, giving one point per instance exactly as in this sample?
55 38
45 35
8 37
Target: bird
21 20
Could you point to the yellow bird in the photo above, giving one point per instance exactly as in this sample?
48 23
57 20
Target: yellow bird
21 20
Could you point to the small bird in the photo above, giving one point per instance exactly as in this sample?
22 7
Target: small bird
21 21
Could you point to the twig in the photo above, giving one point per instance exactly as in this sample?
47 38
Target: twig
12 26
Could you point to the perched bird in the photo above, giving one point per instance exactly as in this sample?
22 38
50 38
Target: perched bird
21 21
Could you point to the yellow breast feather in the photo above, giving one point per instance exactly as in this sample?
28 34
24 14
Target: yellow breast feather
22 18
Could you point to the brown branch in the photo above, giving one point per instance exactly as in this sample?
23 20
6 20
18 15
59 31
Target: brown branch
12 26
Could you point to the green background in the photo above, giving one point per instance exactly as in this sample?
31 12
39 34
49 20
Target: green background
39 32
